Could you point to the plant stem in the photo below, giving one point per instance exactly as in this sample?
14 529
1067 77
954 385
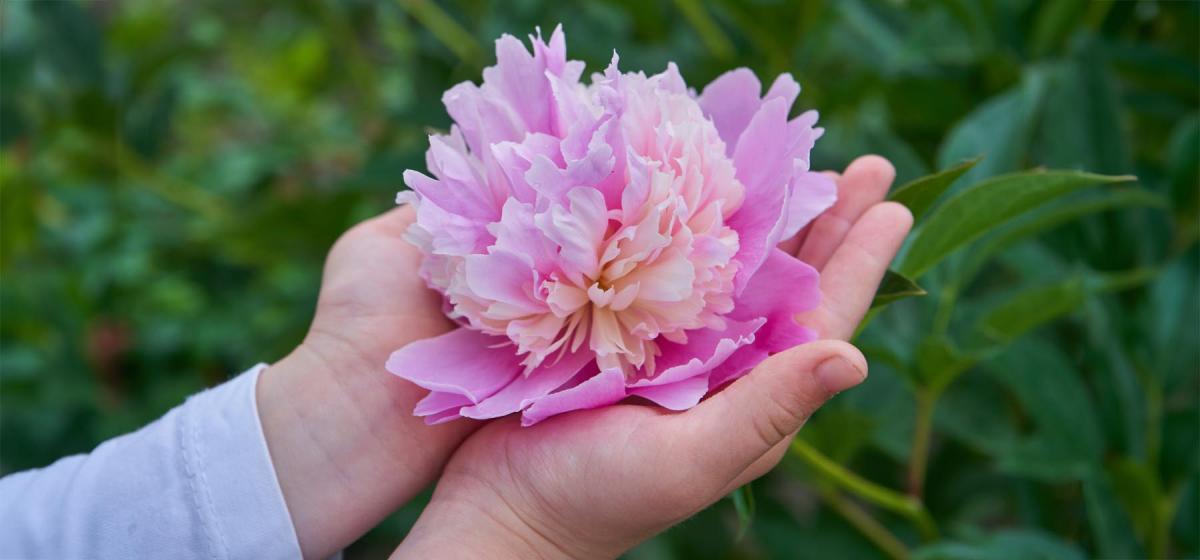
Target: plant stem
922 433
447 31
871 528
907 506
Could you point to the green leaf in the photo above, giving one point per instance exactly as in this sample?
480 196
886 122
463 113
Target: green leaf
1139 493
976 210
1031 308
920 194
895 287
1043 220
1003 545
939 363
1067 441
1081 126
999 130
1108 524
743 503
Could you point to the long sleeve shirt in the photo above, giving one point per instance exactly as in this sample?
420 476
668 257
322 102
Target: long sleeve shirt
196 483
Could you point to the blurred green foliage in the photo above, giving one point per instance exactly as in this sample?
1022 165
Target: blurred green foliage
173 172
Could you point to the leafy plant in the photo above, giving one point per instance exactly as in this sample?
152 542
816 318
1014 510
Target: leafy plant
172 173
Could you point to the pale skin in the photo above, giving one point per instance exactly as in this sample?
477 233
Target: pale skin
587 484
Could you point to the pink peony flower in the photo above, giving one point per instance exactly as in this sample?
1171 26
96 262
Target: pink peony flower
597 242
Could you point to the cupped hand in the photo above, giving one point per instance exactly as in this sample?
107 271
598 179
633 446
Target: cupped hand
347 450
591 484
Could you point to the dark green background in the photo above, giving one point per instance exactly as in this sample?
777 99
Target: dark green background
173 172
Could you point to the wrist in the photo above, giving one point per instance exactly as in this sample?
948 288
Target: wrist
345 449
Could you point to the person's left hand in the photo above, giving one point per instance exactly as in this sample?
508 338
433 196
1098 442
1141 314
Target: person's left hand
591 484
346 448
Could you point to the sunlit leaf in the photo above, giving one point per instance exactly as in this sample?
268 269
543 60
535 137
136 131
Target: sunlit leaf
920 194
972 212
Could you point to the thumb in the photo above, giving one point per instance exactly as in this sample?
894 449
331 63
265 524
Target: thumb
750 417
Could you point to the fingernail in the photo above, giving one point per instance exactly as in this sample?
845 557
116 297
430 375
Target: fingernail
837 374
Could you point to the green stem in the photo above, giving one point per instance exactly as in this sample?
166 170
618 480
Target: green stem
871 528
447 31
918 462
907 506
710 33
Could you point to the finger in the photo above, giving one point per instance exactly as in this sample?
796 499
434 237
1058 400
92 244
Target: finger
792 244
394 221
760 466
852 275
732 429
864 184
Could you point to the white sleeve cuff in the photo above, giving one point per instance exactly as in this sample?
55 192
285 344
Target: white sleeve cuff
233 482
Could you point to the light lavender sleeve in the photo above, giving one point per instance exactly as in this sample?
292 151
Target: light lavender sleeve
196 483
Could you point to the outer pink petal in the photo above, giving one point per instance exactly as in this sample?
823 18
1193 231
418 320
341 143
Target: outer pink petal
602 389
809 194
437 403
526 388
731 101
783 287
680 395
764 169
462 361
704 349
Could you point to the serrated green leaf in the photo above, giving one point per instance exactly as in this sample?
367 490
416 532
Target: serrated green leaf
920 194
895 287
976 210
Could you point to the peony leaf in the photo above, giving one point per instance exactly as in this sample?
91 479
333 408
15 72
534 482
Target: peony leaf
1041 221
1002 545
920 194
1032 308
743 503
895 287
976 210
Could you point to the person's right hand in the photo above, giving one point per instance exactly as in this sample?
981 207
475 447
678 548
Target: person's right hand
346 448
592 483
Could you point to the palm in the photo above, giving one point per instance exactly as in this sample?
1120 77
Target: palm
626 469
371 296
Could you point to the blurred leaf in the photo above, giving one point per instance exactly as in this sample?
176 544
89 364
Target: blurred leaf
1031 308
1138 491
1108 523
1066 443
1026 544
743 503
895 287
920 194
1054 22
939 362
998 130
972 212
1081 125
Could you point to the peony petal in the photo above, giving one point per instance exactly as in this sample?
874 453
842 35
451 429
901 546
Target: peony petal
764 168
783 287
809 195
462 361
731 101
680 395
704 350
527 388
605 388
438 402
